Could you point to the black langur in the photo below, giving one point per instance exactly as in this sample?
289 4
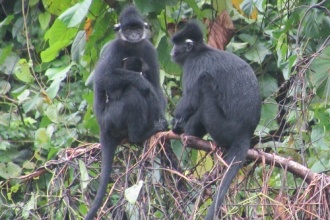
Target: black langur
220 97
127 104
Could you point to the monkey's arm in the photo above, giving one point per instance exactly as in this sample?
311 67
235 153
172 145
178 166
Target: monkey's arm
190 102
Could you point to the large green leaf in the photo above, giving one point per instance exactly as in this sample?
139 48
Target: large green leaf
52 52
57 7
22 71
319 75
76 14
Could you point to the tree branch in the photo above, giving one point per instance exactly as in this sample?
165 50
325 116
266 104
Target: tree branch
253 154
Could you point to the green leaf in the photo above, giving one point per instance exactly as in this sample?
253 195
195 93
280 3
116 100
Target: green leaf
52 52
319 75
22 71
6 21
4 87
268 85
4 145
53 89
132 193
312 23
44 19
41 137
321 165
258 52
59 32
9 170
30 205
58 73
194 6
57 7
165 59
52 113
4 53
319 138
23 96
74 15
247 6
31 104
147 6
9 63
269 114
78 46
84 177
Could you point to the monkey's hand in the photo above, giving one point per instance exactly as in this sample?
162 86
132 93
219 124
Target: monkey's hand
177 125
161 125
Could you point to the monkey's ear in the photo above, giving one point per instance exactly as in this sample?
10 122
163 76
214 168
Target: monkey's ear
146 25
189 45
116 27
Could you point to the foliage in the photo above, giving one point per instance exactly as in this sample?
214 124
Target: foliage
49 48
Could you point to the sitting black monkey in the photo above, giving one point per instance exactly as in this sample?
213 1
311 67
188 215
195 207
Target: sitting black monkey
220 97
137 111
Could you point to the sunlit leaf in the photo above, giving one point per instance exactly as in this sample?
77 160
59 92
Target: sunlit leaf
57 7
57 73
52 52
75 15
22 71
59 32
205 166
132 193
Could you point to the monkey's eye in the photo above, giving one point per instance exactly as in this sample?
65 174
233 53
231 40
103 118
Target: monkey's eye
189 44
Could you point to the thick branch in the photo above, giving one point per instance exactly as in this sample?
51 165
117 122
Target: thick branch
253 154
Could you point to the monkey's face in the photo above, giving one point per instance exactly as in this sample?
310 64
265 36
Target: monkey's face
133 33
181 51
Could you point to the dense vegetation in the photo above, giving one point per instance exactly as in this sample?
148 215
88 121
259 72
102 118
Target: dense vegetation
49 135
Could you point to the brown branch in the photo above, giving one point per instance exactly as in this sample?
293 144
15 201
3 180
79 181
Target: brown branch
190 142
253 154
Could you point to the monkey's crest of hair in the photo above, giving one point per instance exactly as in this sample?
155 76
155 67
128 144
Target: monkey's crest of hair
130 15
191 31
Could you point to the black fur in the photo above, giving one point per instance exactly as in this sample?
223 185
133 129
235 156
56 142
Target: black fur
127 104
220 97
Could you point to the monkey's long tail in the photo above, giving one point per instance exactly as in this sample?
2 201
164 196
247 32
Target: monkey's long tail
108 148
235 156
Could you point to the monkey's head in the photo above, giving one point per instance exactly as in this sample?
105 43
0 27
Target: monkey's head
186 41
131 28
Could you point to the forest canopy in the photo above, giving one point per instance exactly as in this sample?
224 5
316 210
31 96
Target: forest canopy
49 151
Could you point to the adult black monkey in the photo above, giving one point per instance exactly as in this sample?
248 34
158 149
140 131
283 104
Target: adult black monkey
139 111
220 97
